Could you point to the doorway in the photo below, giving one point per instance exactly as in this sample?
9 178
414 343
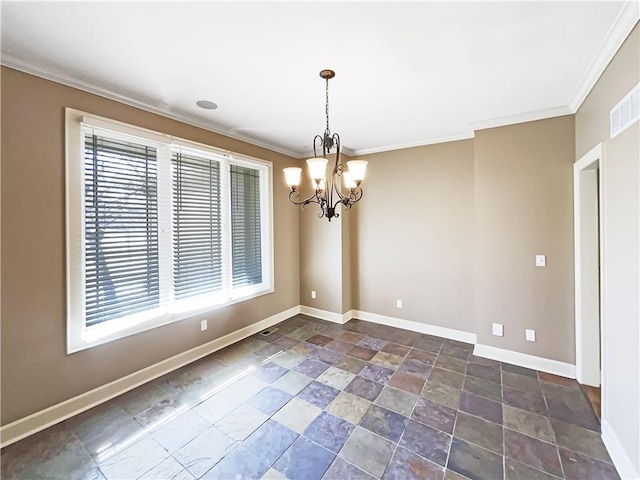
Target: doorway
588 200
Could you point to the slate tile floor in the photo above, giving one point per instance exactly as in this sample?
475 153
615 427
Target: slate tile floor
315 400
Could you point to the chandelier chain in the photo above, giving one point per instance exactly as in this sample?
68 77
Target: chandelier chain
327 109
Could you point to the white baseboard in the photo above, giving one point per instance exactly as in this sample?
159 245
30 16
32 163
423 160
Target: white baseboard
435 330
618 455
326 315
525 360
38 421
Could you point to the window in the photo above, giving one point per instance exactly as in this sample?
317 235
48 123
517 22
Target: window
158 229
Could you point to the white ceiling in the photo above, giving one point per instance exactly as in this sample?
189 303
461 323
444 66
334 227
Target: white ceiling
406 73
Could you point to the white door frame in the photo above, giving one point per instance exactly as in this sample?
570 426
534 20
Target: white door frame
588 193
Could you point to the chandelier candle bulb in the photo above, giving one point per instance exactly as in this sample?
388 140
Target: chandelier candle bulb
292 174
328 186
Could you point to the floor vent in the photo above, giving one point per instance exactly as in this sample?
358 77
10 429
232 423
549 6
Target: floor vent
625 113
268 332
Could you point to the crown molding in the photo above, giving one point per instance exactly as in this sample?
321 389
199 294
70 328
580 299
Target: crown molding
58 77
522 117
619 31
420 143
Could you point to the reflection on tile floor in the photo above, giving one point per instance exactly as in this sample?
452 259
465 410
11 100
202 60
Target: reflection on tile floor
316 400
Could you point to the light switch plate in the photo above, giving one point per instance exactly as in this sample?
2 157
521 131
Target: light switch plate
497 329
203 325
313 294
541 261
530 335
399 303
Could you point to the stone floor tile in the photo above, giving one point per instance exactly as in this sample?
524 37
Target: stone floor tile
481 407
288 359
474 462
297 414
447 377
268 351
434 414
415 367
269 372
286 342
269 400
141 398
94 421
53 453
523 400
406 465
325 355
519 471
580 467
532 452
407 382
483 388
507 367
521 382
273 474
320 340
397 400
304 460
304 348
169 468
451 475
349 407
336 378
426 441
461 352
339 346
270 441
351 337
487 362
570 406
122 431
385 423
362 353
329 431
242 422
364 388
134 460
318 394
311 368
376 373
292 382
442 394
487 373
340 469
405 337
429 344
350 364
450 363
387 360
372 343
580 440
566 382
531 424
238 464
301 334
368 451
480 432
180 431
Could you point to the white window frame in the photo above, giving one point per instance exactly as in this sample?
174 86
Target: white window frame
80 337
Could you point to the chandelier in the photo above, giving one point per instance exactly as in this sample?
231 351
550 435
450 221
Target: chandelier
328 192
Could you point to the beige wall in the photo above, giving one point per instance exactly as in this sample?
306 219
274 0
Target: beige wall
324 253
412 235
36 371
621 231
524 207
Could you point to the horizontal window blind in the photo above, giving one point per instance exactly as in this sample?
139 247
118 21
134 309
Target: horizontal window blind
246 248
197 239
121 228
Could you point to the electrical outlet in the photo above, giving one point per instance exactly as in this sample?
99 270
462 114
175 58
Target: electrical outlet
313 294
203 325
497 329
530 335
399 303
541 261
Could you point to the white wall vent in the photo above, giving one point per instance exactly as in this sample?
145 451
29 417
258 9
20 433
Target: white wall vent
626 112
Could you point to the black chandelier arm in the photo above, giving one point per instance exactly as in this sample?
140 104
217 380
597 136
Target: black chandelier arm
315 143
315 198
335 140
